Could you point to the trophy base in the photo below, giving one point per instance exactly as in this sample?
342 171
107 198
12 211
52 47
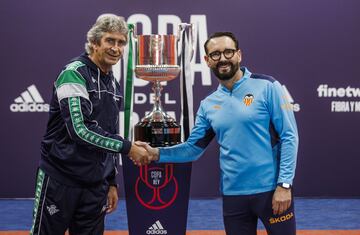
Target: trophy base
158 134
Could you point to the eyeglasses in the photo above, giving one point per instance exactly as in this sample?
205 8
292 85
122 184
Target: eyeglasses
228 54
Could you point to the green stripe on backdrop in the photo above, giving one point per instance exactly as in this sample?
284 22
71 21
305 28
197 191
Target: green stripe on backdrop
129 86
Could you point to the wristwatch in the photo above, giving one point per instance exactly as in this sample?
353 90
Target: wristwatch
285 185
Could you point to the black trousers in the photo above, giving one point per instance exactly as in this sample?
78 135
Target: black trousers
241 214
59 207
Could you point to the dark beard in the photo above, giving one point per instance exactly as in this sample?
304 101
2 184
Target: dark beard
225 76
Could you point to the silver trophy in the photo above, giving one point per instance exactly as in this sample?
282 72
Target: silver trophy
157 58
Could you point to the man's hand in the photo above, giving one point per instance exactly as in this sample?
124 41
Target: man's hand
138 155
153 153
112 199
281 200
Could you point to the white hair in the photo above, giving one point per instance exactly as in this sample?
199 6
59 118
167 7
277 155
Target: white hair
105 23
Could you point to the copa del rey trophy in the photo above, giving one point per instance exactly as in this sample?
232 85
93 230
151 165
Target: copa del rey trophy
157 194
157 61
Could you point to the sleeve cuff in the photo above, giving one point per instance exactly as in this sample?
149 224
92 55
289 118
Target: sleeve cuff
159 159
126 147
280 181
112 181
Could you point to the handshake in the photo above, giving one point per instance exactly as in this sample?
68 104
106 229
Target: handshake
142 153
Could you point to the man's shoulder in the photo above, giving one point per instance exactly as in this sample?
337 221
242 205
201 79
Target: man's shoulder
212 94
73 72
74 65
262 77
213 97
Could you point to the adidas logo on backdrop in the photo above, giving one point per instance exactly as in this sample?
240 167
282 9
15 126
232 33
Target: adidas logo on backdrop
29 101
156 228
291 105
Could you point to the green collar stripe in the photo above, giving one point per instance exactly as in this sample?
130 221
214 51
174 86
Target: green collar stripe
70 76
39 185
87 135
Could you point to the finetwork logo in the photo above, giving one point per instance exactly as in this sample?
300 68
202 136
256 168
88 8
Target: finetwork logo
340 104
156 228
292 105
325 91
29 101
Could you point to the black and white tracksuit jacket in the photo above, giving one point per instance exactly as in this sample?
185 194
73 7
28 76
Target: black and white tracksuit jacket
81 142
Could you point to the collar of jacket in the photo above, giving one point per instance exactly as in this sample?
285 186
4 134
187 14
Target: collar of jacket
86 60
237 84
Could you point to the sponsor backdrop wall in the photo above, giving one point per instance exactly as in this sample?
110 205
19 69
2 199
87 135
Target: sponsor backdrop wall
310 46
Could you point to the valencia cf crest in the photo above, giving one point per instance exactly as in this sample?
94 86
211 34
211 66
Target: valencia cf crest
248 99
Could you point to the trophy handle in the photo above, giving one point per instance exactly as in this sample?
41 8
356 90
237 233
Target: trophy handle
181 31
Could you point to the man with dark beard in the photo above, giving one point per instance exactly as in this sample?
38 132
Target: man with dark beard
255 127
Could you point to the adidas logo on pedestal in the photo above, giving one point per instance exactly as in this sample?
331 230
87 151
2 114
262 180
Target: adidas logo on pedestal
156 228
29 101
